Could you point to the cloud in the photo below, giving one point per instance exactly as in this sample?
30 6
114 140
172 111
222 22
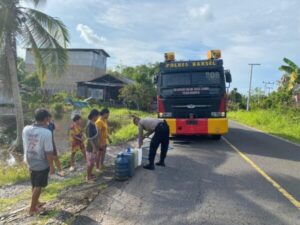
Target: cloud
115 17
202 12
140 31
89 36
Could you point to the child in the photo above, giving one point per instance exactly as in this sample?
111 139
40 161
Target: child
92 148
51 127
103 128
76 140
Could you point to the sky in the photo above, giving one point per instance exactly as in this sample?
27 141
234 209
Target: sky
137 32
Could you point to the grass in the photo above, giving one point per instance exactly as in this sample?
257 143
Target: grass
13 174
284 124
54 188
120 123
49 193
121 130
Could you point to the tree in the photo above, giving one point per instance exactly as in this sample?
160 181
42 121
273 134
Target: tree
47 37
236 100
292 74
139 95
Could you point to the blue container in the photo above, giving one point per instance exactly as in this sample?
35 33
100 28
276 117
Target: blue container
122 166
128 154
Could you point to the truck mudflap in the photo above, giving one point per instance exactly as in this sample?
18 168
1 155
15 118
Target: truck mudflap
211 126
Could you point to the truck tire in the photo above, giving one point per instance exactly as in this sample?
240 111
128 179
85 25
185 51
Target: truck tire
216 137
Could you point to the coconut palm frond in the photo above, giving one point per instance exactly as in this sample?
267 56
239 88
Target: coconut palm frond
54 26
48 37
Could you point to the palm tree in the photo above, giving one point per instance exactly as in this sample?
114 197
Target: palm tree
45 35
292 74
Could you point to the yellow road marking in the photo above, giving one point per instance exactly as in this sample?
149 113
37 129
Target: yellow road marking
287 195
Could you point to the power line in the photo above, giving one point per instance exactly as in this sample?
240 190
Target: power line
268 86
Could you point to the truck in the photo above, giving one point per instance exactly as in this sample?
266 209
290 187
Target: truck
191 95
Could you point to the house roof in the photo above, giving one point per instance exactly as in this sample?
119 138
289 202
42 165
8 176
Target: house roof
96 51
98 80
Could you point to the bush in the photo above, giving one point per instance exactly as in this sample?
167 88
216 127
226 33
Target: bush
58 108
283 123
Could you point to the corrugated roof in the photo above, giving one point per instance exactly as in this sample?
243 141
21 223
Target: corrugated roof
97 51
122 79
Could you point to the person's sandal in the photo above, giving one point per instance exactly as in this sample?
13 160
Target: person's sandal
61 173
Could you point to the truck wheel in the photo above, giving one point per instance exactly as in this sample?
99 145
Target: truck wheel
216 137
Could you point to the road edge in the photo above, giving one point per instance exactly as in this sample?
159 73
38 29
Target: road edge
264 132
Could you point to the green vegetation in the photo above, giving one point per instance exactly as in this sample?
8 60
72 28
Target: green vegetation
141 94
54 188
284 124
47 36
13 174
49 193
276 113
8 202
121 130
120 123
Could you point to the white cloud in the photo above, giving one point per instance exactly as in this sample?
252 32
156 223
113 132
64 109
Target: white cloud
140 31
89 36
115 16
202 12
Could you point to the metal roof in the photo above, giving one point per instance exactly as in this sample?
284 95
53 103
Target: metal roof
96 51
122 79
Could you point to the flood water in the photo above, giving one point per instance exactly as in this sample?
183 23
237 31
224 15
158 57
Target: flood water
60 135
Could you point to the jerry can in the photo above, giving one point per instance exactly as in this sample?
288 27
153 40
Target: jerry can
122 166
130 157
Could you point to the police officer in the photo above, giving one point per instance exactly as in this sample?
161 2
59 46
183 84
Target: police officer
161 132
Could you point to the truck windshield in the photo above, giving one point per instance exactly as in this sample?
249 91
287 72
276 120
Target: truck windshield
188 79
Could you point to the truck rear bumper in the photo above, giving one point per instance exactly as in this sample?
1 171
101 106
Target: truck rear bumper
212 126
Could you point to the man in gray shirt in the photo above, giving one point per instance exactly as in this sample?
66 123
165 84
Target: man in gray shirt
161 135
38 149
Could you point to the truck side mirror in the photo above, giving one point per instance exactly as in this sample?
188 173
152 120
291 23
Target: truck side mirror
155 79
228 77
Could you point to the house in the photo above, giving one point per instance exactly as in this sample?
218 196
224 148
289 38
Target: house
83 65
105 88
296 94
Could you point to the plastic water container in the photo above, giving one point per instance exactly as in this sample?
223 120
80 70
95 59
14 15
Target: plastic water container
140 156
136 157
130 157
122 167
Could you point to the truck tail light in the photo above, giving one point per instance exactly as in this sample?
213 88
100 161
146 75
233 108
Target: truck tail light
223 104
161 107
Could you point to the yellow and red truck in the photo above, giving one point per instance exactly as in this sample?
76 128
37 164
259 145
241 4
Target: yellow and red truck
191 95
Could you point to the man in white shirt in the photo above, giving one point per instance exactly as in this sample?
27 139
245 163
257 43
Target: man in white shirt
38 149
161 135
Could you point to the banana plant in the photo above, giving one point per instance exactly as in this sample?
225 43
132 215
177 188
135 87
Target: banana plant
292 74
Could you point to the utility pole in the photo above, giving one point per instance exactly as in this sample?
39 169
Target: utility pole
268 87
249 93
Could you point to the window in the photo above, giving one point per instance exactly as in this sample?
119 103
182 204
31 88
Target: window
206 78
187 79
176 79
96 93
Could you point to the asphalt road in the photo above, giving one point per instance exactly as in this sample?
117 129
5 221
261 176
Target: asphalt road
209 182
